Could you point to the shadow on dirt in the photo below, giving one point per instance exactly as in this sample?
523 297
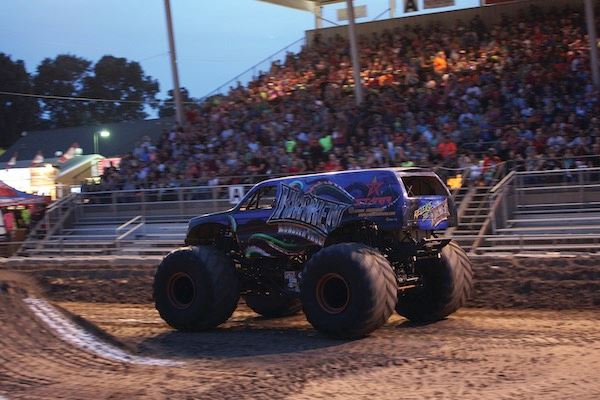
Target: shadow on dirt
235 342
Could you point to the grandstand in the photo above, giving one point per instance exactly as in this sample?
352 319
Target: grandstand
470 94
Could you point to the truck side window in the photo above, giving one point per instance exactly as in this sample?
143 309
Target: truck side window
423 186
263 199
249 204
266 197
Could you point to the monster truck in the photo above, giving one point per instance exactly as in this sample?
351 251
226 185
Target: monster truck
347 248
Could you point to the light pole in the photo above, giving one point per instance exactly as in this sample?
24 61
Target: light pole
358 93
173 57
103 134
593 39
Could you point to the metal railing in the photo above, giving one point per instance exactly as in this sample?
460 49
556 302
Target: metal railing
182 201
498 198
133 225
579 186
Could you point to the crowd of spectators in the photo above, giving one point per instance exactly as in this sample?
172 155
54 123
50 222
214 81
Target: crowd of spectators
517 95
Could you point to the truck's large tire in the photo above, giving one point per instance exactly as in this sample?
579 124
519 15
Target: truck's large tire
447 285
348 290
273 305
196 288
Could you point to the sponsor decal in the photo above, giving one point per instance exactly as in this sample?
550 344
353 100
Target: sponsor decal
291 279
435 213
307 210
372 198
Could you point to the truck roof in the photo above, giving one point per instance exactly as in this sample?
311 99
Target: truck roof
394 170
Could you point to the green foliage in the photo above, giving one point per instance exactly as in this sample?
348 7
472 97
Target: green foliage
67 75
117 78
63 76
167 106
17 114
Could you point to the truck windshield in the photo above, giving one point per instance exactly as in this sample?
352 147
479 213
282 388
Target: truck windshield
423 186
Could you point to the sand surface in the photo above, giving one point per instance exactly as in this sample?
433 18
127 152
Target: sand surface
534 334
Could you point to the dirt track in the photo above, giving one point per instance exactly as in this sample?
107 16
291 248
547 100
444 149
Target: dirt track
478 353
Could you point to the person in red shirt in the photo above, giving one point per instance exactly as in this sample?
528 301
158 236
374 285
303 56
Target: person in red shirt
447 148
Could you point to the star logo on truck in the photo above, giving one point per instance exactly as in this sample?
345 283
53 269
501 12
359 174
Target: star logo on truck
374 187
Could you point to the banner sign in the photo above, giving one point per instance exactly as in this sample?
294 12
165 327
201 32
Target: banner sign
235 194
359 12
494 2
438 3
410 6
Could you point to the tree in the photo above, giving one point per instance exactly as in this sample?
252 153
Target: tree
167 107
63 76
117 78
17 113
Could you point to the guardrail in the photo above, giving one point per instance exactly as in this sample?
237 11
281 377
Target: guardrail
183 201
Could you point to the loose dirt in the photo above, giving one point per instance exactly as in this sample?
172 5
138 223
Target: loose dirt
531 332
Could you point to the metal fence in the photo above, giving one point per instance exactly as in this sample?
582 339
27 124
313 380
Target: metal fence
167 201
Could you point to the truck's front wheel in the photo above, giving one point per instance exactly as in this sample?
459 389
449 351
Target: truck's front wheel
196 288
447 284
348 290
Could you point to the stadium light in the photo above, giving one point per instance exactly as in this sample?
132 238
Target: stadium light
103 134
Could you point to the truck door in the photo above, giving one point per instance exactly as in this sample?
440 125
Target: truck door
252 218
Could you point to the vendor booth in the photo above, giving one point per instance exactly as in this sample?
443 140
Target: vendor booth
19 211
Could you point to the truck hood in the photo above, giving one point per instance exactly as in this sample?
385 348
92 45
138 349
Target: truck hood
221 217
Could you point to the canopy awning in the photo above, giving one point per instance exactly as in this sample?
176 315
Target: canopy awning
10 196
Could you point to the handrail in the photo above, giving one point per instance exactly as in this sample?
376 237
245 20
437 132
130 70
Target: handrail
558 171
172 189
555 187
498 195
140 224
126 224
503 182
488 220
129 232
60 202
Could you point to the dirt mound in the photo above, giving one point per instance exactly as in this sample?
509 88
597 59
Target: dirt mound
486 354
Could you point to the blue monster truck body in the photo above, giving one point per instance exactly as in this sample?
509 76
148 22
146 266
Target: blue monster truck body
345 247
290 216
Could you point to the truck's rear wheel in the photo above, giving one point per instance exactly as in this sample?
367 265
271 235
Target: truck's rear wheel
196 288
447 285
273 305
348 290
